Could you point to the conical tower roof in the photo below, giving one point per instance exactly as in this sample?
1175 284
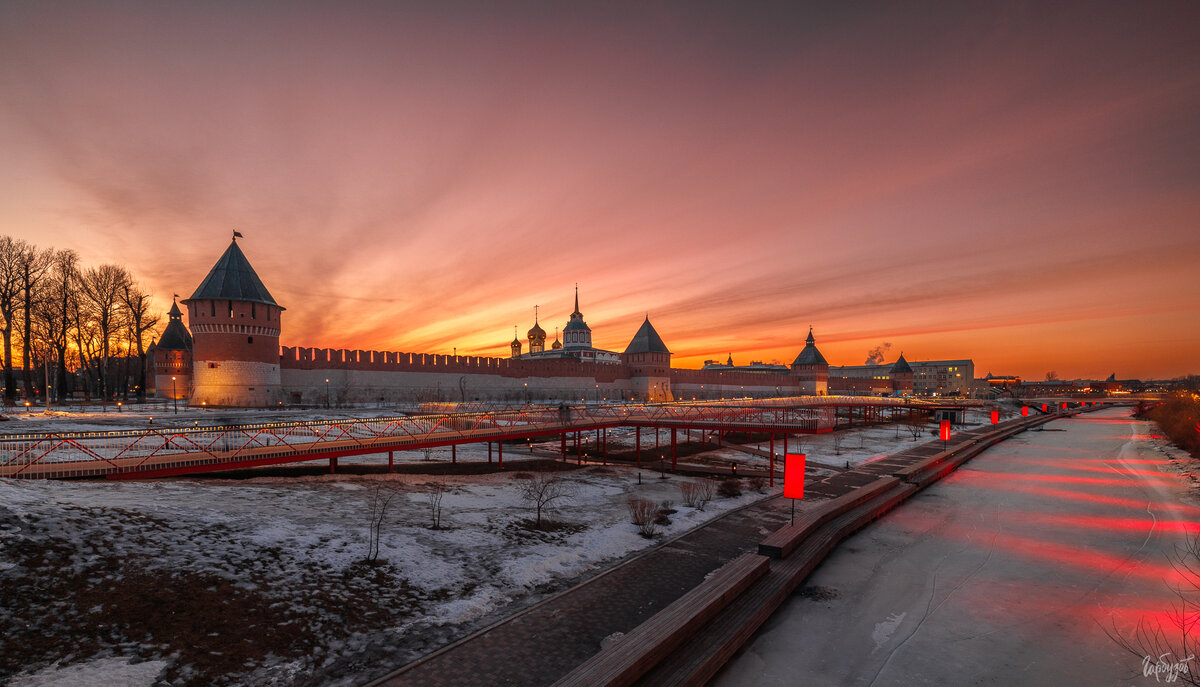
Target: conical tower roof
810 355
233 279
901 366
647 340
175 337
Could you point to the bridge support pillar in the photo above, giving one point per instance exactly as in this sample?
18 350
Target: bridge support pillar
391 460
578 448
772 460
603 439
333 464
673 454
489 452
500 453
785 444
563 446
453 453
638 444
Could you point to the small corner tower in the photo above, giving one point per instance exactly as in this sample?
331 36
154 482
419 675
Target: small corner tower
170 358
649 363
811 370
235 329
902 376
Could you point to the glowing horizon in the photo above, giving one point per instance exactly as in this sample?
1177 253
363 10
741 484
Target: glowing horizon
1008 184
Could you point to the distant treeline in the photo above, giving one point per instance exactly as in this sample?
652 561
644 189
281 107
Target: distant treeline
74 326
1179 418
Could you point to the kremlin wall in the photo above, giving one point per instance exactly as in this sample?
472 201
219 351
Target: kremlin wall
232 357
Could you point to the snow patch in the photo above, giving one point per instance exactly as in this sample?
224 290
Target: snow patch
884 631
101 672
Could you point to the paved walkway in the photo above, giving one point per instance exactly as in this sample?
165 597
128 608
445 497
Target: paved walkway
544 643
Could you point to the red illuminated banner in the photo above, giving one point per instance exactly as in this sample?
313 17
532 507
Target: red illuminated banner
1024 411
995 417
1064 405
1045 408
945 430
793 476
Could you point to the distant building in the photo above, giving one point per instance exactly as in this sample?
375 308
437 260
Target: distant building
887 379
943 377
754 366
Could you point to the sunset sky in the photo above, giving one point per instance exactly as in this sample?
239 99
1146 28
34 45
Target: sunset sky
1017 184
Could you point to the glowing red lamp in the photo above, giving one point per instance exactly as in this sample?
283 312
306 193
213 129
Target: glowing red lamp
945 430
995 417
1024 411
793 476
1064 405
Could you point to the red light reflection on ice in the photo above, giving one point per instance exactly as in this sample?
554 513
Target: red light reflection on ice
1074 479
1059 555
1144 523
1006 483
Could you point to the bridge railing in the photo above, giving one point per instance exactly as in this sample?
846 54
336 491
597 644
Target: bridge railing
129 449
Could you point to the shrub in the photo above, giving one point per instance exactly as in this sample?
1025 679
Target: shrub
643 513
729 488
757 484
697 494
1179 418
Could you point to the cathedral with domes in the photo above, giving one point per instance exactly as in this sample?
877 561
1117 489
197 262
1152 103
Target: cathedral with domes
576 343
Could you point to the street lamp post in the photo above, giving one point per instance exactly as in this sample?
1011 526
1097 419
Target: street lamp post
174 396
327 405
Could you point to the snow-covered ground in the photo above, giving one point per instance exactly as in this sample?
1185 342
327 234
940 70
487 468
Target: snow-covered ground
266 570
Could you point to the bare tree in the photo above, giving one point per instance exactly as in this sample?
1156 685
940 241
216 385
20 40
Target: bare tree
1165 649
434 491
53 313
34 268
378 499
915 423
542 490
838 438
139 322
102 288
12 252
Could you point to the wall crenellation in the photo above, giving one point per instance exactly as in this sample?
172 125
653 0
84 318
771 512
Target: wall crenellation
301 358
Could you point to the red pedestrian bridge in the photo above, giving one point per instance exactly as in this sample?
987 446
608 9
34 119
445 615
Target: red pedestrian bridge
157 451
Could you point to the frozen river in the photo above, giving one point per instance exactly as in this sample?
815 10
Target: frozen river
1007 572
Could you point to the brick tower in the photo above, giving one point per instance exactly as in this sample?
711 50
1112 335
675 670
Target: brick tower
811 370
235 336
649 364
170 359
